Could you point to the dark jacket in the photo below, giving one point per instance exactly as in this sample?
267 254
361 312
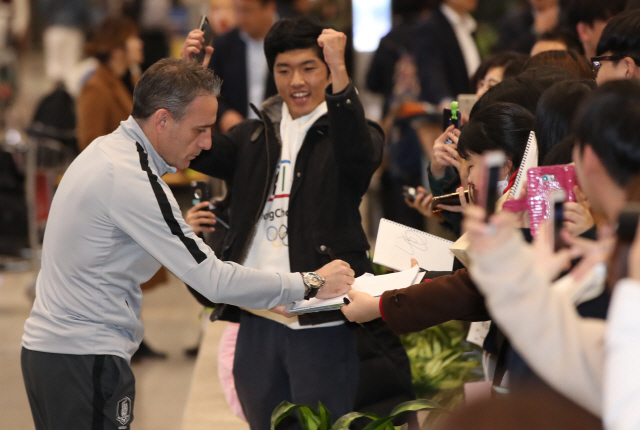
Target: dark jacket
441 67
229 61
340 153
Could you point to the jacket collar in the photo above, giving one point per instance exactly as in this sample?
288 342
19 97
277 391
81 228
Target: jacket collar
272 109
132 130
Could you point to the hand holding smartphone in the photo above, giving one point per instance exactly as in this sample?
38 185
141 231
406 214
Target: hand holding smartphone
200 192
451 117
206 28
488 192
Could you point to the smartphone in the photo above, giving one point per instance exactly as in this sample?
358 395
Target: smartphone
488 193
409 193
556 203
208 38
451 117
452 199
628 222
201 192
466 102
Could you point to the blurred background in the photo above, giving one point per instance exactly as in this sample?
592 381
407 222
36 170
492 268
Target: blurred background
45 61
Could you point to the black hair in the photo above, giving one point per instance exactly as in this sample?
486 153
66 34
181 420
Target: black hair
608 122
571 41
560 153
555 111
410 9
291 34
513 63
588 11
621 36
570 60
521 91
500 126
545 76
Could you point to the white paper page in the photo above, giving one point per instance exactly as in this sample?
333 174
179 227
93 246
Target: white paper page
373 285
396 244
529 160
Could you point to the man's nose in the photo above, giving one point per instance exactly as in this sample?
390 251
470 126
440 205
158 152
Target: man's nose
205 140
297 79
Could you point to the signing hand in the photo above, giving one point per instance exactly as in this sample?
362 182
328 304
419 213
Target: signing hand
445 154
363 307
338 277
198 215
193 44
333 44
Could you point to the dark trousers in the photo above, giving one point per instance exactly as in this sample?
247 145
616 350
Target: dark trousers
274 363
83 392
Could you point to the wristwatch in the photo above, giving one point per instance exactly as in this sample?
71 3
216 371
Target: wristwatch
312 283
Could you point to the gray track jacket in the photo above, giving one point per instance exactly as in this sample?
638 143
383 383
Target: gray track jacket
113 221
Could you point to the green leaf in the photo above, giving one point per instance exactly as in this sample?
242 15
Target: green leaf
380 424
309 419
416 405
345 421
325 417
282 411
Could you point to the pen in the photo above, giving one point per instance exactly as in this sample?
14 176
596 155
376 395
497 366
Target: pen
222 223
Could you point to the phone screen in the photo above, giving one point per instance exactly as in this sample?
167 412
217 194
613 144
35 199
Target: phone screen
488 191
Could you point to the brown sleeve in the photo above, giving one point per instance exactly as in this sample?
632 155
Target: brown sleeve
92 115
420 306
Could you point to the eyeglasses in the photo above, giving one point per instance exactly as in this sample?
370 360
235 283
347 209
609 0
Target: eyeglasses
597 61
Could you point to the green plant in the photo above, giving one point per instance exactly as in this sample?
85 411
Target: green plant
442 361
320 419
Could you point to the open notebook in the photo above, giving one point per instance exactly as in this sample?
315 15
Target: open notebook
396 244
367 283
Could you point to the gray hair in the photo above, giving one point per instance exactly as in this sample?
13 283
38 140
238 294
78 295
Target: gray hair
172 84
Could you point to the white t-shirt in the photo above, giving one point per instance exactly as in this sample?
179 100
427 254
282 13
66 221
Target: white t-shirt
270 246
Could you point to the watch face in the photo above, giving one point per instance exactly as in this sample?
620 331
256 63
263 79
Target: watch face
314 281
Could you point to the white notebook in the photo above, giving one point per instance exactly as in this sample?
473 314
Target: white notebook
367 283
396 244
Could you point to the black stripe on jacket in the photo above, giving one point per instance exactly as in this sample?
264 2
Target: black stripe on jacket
165 208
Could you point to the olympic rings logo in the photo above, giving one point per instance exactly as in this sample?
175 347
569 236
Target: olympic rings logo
278 237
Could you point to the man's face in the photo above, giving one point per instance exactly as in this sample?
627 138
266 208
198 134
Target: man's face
587 176
612 70
253 17
183 141
301 78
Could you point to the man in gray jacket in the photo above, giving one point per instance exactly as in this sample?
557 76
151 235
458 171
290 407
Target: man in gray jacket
113 222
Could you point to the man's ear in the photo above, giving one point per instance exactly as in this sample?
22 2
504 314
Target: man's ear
161 120
584 31
630 68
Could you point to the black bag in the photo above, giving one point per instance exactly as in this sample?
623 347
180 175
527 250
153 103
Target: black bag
55 118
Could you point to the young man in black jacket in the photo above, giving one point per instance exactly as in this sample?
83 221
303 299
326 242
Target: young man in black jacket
296 179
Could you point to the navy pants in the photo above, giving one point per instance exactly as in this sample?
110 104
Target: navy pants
275 363
78 392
